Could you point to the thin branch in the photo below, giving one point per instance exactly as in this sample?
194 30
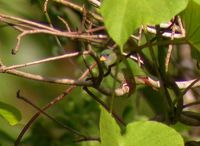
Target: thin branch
7 18
166 34
134 58
45 60
75 132
87 65
191 104
79 8
65 23
192 84
45 5
185 119
139 80
169 50
139 43
104 105
54 80
88 139
28 27
156 84
100 28
181 26
94 38
96 3
50 104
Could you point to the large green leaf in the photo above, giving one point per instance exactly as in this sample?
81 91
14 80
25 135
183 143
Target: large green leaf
109 130
10 113
151 133
141 133
191 17
197 1
122 17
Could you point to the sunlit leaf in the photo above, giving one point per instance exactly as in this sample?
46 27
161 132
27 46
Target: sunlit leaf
123 17
151 133
109 130
10 113
197 1
141 133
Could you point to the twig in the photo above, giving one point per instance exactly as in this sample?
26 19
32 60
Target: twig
100 28
169 50
45 5
54 80
87 65
65 23
29 27
185 119
104 105
181 26
45 60
78 8
166 34
190 86
57 33
96 3
139 43
6 18
134 58
139 80
75 132
89 139
123 90
191 104
54 101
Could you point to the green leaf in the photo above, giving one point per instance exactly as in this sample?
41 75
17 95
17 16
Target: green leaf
10 113
123 17
109 130
191 17
141 133
154 99
197 1
151 133
90 143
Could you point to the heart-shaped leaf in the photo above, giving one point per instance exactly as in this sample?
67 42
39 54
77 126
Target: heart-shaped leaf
141 133
123 17
151 133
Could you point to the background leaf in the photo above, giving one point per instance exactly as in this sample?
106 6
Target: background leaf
191 17
10 113
122 17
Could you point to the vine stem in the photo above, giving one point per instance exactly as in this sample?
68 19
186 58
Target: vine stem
104 105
